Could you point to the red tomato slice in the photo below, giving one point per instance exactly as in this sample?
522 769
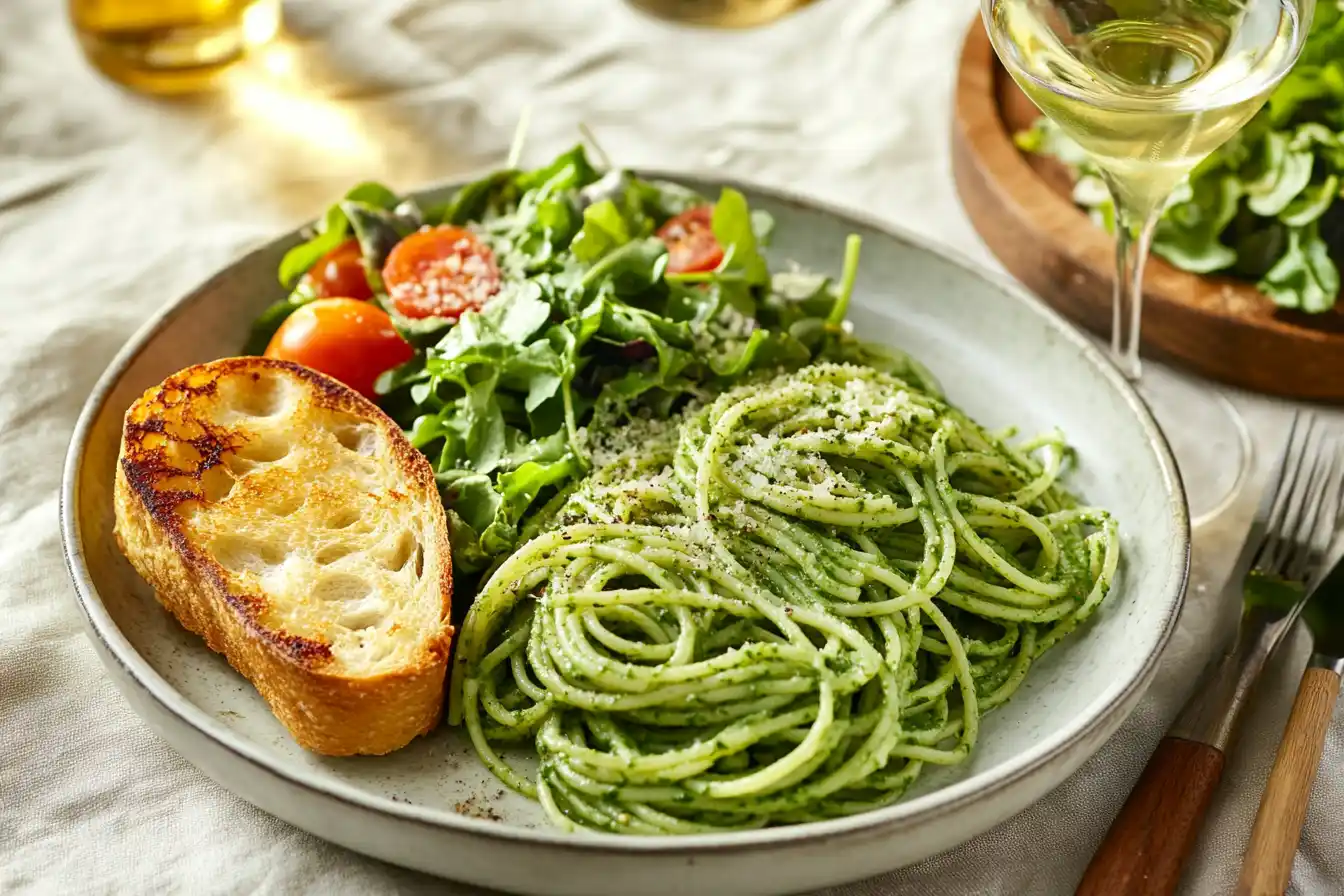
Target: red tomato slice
348 340
339 274
440 272
691 246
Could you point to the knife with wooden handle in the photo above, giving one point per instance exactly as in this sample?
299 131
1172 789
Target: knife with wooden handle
1268 864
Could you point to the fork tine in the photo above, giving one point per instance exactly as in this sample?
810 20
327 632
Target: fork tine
1274 498
1315 465
1332 502
1315 529
1289 467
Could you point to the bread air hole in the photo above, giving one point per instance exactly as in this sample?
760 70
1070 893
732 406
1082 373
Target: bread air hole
381 650
238 466
359 606
365 613
284 505
400 553
264 449
262 395
357 436
341 587
252 395
331 553
343 518
241 553
217 484
183 456
255 454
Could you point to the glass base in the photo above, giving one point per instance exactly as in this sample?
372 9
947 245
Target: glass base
1208 436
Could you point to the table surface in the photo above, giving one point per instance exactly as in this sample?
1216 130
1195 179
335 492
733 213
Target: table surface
112 204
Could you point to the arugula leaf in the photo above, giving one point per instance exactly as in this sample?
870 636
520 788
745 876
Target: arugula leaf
632 268
521 313
332 230
378 229
266 325
663 199
569 170
374 195
474 200
604 229
732 226
765 348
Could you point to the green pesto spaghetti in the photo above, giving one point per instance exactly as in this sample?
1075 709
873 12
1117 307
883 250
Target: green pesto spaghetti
779 611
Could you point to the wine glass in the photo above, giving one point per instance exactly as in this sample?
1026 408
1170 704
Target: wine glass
1148 88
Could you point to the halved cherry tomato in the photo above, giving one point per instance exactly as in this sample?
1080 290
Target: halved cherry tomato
339 274
346 339
691 245
440 272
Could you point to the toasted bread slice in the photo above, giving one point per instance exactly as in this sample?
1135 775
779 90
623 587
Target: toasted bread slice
287 521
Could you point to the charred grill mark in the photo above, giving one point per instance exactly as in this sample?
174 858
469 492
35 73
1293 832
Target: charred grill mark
305 650
330 393
146 467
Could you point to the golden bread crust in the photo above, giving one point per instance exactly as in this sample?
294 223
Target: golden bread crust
203 459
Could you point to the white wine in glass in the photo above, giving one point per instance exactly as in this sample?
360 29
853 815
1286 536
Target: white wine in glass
1148 88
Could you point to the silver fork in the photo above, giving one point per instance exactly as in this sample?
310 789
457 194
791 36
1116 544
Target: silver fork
1146 846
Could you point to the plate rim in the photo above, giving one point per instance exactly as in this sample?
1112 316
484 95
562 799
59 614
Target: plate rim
924 808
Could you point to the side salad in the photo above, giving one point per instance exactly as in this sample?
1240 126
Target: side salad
1263 207
537 313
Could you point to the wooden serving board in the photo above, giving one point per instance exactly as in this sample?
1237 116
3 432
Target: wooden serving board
1222 328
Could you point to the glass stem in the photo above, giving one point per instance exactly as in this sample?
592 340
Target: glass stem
1133 239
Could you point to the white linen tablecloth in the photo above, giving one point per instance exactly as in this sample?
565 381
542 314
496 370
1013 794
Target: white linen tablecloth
112 204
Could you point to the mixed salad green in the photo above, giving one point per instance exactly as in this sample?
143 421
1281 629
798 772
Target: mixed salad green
1262 207
591 326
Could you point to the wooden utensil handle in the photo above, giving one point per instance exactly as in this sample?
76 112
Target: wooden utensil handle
1283 808
1147 844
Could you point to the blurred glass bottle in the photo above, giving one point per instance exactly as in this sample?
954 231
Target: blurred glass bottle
721 13
171 46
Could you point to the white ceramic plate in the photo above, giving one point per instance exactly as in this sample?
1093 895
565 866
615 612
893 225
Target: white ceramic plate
999 353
